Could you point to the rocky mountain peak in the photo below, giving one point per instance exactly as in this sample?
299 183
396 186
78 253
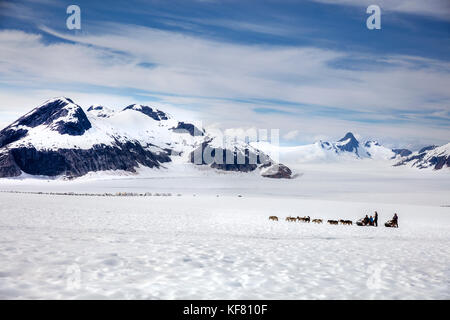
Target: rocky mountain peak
155 114
348 143
59 114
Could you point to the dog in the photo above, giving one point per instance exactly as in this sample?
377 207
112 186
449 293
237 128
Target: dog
273 218
291 219
317 221
304 219
348 222
333 222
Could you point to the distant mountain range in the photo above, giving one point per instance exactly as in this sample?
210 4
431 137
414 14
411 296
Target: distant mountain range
428 157
58 138
349 148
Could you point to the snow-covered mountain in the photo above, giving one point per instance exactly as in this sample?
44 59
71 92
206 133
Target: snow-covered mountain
349 148
346 148
429 157
100 111
59 139
347 143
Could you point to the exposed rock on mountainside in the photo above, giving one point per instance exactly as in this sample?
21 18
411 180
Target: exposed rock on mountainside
428 157
348 143
152 113
237 157
349 148
59 139
193 130
402 152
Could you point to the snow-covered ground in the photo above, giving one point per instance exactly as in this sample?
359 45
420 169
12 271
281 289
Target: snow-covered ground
200 245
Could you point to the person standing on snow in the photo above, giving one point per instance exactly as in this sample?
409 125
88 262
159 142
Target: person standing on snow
371 220
375 221
395 220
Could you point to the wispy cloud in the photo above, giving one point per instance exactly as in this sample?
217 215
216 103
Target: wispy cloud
195 66
434 8
291 135
228 81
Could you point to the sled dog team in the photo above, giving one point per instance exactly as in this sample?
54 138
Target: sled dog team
366 221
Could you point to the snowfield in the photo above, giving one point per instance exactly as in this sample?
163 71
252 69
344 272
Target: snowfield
202 246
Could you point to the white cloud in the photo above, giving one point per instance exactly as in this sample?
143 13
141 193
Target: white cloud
196 67
212 78
435 8
291 135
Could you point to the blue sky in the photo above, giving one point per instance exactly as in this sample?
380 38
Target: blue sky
310 68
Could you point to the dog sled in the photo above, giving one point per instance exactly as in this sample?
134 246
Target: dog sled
361 223
391 224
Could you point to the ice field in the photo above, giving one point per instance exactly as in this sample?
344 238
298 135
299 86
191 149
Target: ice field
209 243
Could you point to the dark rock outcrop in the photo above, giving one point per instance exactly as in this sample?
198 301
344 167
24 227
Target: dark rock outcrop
423 159
242 160
97 108
369 144
8 167
77 162
440 162
428 148
9 135
280 171
52 114
100 111
325 145
148 111
351 146
189 127
402 152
